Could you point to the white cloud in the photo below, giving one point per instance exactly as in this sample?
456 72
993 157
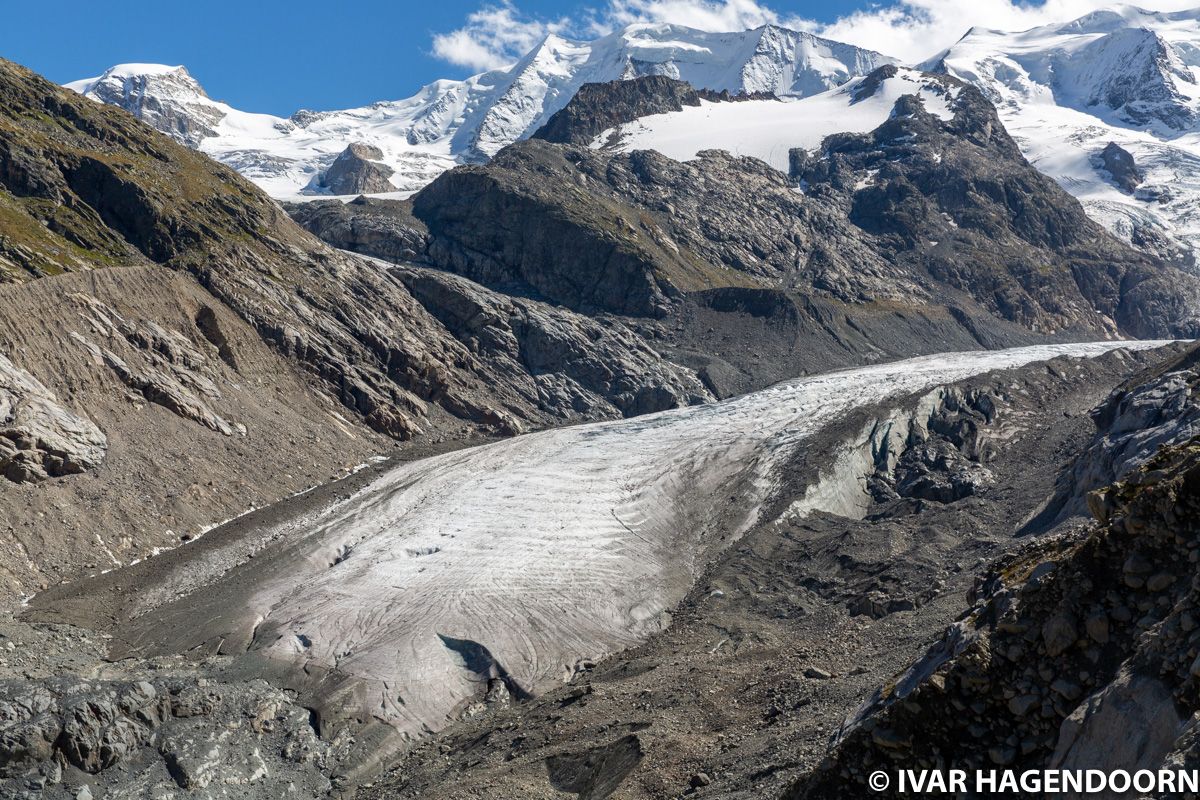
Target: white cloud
918 29
494 36
706 15
911 30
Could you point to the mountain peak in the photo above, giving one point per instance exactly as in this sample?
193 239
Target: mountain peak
166 97
136 74
468 121
1120 74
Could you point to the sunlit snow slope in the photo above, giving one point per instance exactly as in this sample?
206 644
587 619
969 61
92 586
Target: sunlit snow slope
451 122
521 559
1121 75
768 129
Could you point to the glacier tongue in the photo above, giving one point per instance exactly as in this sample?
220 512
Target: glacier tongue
453 122
520 560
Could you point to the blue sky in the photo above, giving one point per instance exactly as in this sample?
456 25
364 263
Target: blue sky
267 55
278 57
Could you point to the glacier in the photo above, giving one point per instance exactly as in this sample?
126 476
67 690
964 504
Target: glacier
522 560
769 129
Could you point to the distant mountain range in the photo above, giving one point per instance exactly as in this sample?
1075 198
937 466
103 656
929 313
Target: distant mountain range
453 122
1065 92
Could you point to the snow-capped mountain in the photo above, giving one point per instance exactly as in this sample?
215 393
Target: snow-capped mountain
452 122
1124 76
769 129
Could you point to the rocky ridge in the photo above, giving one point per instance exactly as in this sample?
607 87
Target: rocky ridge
598 107
921 208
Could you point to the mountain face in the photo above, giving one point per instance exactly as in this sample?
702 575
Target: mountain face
153 303
1122 76
451 122
931 206
600 107
166 98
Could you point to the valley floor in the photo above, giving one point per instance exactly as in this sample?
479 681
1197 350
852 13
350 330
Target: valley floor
472 584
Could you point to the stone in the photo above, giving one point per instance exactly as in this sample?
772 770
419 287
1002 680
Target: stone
1159 582
1096 626
1066 688
891 739
1058 634
1023 704
699 779
1137 564
816 673
39 437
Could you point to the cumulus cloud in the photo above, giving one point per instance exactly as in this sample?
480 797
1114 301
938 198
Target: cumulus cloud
917 29
493 36
705 15
911 30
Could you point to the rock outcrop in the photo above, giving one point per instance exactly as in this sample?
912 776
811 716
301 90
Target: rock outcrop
1120 165
957 201
39 438
568 364
66 737
374 226
597 107
1150 411
358 170
1080 652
